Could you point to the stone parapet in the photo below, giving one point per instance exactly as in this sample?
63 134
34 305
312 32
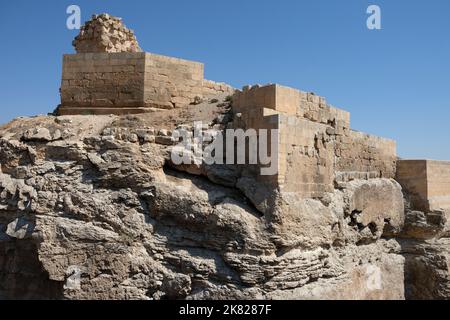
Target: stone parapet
212 88
171 82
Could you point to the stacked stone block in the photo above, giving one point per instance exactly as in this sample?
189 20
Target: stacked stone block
427 182
291 101
171 82
110 75
316 109
105 33
316 146
306 162
271 96
363 156
122 83
438 173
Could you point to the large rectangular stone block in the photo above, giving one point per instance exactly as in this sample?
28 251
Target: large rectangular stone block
427 182
316 146
273 96
140 80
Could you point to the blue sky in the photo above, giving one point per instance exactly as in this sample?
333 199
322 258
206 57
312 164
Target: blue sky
394 81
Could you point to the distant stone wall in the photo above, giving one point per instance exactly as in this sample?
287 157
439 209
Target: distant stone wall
306 159
315 108
211 88
316 146
438 173
427 182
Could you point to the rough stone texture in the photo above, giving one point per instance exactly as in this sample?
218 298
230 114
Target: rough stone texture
427 182
427 269
93 207
212 88
101 213
425 236
375 206
171 82
105 33
111 75
130 83
317 148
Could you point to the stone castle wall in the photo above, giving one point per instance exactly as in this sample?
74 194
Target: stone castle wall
111 75
102 80
292 102
306 162
171 82
120 83
212 88
363 156
316 146
438 173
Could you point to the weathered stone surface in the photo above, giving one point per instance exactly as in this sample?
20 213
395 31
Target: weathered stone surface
19 228
316 147
427 268
108 217
372 274
421 225
105 33
94 206
427 183
110 74
375 204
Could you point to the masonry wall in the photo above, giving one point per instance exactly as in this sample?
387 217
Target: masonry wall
103 80
316 146
306 157
427 182
438 173
304 165
291 101
313 157
412 176
171 82
316 109
102 83
212 88
363 156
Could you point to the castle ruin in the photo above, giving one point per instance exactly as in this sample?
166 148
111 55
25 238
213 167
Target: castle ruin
110 74
92 190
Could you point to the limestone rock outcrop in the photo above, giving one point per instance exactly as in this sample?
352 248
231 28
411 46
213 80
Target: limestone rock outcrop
99 212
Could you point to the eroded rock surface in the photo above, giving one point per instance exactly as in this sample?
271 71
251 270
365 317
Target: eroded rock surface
91 207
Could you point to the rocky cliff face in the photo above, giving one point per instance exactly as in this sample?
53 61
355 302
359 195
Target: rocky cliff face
91 207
